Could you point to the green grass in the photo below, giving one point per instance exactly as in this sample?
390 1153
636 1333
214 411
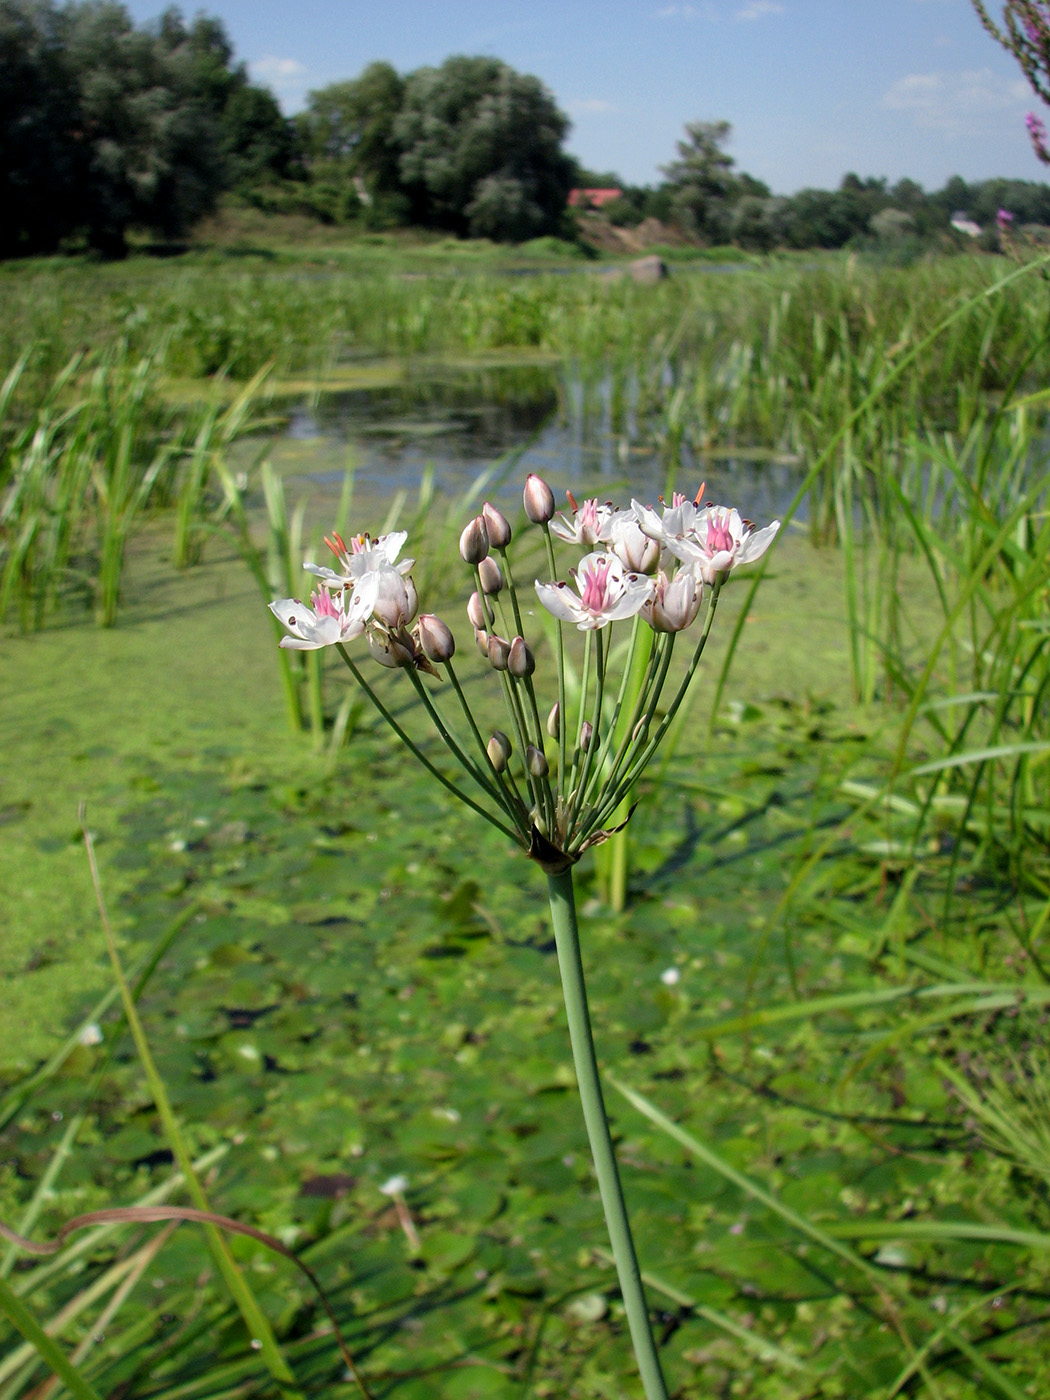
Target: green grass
835 1167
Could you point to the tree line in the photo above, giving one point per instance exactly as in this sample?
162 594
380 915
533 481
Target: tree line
702 195
107 127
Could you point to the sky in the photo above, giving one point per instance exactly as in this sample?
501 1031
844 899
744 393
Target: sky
812 88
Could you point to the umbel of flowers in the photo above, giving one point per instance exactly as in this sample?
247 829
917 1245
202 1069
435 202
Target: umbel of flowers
553 779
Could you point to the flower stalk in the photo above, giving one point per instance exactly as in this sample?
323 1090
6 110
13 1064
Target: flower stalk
655 570
567 939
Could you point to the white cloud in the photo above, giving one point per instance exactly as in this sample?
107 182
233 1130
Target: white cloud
955 102
287 78
755 9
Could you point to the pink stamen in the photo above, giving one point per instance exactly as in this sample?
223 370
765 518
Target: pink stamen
589 515
719 540
594 593
323 604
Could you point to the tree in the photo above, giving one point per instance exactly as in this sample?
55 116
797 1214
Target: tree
38 159
147 141
1026 34
702 180
256 140
104 126
481 151
353 123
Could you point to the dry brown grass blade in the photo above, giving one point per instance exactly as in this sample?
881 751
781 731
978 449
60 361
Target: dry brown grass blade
146 1215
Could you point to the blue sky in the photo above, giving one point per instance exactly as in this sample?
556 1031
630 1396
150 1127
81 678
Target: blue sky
812 88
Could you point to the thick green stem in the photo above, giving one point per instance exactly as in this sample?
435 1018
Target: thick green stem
566 936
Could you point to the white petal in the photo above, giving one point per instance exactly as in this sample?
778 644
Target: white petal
756 544
558 599
322 571
390 545
291 612
648 521
636 593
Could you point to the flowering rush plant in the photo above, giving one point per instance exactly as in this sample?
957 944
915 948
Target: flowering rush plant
554 779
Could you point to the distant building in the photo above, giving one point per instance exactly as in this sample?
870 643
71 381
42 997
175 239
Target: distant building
592 199
962 223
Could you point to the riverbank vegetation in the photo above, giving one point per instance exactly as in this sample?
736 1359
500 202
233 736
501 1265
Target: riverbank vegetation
819 966
110 132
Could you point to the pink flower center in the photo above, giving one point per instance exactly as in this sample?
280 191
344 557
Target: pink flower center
587 521
323 603
595 590
719 539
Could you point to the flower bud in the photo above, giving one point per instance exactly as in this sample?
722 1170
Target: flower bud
499 652
536 761
389 650
539 500
520 661
499 750
498 526
491 578
482 639
674 604
396 602
586 735
436 640
554 721
479 612
474 541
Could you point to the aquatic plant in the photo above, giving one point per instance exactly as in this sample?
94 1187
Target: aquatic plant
553 784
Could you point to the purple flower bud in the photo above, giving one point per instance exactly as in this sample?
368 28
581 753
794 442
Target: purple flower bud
499 750
520 661
479 612
536 761
586 735
499 652
554 721
435 638
474 541
498 526
482 639
539 500
491 578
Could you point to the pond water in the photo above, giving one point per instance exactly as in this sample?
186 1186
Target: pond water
461 424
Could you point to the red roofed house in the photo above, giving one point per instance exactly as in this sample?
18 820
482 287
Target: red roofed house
592 199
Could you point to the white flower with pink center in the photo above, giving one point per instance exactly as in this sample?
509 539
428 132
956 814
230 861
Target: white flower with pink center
607 593
723 540
712 540
329 621
674 525
360 557
587 523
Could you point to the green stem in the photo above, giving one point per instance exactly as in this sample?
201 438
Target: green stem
417 752
566 936
562 718
50 1352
